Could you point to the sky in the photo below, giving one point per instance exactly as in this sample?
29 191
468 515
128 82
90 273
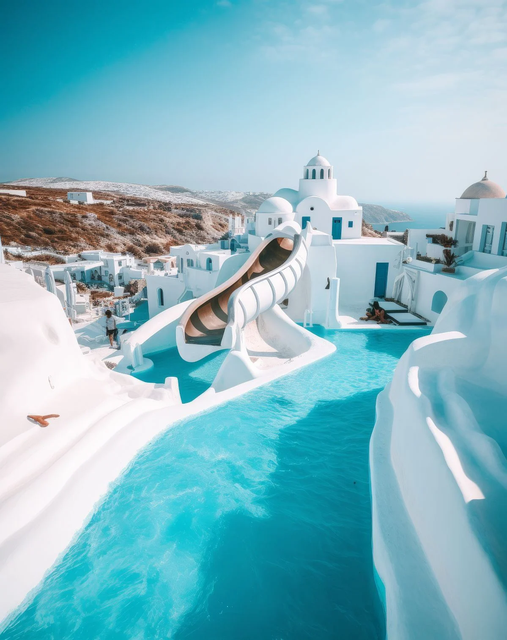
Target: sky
407 99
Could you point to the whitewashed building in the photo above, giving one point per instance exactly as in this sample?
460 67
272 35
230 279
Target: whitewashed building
81 197
479 226
342 262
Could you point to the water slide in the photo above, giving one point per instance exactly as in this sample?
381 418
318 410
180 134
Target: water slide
216 320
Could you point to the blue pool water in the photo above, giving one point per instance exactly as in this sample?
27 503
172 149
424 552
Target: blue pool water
193 377
249 522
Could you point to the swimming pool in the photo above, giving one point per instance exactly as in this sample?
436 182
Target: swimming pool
251 521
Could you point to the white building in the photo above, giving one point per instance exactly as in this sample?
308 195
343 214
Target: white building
97 266
365 267
81 197
479 226
13 192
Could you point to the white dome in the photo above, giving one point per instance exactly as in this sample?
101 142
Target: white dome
275 205
318 161
288 194
483 189
344 203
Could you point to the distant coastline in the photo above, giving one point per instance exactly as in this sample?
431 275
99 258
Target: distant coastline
423 215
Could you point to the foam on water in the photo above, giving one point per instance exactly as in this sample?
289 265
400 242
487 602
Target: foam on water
250 521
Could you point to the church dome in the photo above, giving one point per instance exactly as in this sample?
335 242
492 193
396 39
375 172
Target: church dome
275 205
288 194
483 189
318 161
343 203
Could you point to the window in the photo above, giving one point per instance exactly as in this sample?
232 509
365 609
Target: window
488 231
270 221
503 240
119 263
160 298
312 208
351 224
190 262
329 173
438 302
322 174
279 220
209 264
314 175
306 174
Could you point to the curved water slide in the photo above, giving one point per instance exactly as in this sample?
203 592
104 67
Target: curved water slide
216 320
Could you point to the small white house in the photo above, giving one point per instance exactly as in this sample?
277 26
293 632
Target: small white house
81 197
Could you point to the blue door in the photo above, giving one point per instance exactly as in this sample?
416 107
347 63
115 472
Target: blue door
305 220
337 228
381 279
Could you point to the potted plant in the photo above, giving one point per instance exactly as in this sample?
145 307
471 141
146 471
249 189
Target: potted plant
449 259
442 239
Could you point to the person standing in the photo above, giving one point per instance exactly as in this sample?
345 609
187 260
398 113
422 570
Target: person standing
111 330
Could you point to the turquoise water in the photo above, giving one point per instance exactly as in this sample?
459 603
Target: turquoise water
249 522
193 377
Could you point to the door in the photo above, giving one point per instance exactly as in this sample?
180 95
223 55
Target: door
304 221
381 279
337 228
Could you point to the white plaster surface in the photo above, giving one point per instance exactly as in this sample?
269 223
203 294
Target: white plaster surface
52 478
439 474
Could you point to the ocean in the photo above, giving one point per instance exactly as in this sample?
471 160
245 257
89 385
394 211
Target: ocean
424 216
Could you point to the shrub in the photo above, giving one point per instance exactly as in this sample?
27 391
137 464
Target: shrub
134 250
442 239
153 248
449 258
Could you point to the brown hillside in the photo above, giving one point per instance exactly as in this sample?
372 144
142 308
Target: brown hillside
43 221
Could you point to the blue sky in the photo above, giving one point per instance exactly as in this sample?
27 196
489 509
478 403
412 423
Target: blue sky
408 100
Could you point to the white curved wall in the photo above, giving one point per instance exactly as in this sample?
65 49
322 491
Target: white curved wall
439 473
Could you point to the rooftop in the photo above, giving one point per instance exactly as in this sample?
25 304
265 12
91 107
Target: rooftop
483 189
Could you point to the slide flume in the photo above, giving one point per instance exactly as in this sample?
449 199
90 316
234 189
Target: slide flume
266 279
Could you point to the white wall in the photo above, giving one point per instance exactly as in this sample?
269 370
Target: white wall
267 222
492 211
356 267
321 217
172 289
311 292
80 196
14 192
417 240
427 286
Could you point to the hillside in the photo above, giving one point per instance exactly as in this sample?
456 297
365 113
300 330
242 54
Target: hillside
142 226
376 214
123 188
245 202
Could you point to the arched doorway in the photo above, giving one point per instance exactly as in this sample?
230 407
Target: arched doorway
438 302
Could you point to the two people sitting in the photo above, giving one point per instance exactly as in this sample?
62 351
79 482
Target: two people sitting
376 313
